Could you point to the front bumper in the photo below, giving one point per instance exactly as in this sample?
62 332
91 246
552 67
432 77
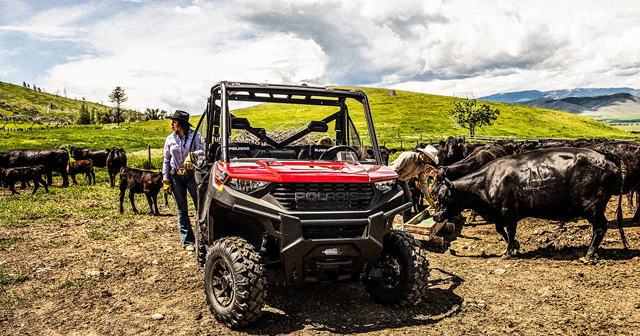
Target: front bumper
318 246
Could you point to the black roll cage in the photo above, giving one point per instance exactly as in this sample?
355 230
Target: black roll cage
277 93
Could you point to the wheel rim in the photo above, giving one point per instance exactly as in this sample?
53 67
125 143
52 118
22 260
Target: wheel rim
392 271
222 283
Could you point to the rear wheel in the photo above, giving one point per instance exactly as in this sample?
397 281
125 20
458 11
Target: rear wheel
234 282
401 273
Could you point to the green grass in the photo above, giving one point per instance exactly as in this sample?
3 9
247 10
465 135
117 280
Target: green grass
82 201
404 119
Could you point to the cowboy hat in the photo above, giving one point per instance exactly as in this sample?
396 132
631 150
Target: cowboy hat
431 151
181 116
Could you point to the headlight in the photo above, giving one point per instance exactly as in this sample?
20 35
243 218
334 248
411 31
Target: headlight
247 186
385 186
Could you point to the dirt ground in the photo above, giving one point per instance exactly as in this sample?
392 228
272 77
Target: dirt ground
113 276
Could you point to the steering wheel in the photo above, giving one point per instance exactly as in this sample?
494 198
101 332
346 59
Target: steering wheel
335 149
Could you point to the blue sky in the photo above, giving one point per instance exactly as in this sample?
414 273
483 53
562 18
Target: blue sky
168 53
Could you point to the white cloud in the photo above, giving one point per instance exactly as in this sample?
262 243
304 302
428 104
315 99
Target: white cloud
167 54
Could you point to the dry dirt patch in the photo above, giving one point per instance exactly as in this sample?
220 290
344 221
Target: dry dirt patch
112 275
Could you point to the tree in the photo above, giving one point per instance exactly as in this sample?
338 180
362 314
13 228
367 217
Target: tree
117 97
155 114
469 114
85 116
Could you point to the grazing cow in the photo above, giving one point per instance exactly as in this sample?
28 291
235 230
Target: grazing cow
52 159
10 176
82 167
553 184
366 152
140 181
116 160
99 156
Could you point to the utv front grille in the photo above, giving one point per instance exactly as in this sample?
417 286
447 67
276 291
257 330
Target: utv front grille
333 231
323 196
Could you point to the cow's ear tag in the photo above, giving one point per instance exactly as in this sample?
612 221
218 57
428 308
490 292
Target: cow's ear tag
220 187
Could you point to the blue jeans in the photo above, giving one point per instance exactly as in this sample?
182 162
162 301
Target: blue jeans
180 184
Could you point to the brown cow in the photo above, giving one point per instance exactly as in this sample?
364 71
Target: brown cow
140 181
82 167
10 176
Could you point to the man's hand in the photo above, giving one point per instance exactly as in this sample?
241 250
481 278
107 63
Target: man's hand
188 162
166 186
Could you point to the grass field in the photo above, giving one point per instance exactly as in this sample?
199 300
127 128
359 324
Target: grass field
400 120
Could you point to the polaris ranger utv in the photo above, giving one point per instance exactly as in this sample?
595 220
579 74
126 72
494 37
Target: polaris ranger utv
277 206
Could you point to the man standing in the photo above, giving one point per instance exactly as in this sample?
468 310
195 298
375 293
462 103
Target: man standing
415 164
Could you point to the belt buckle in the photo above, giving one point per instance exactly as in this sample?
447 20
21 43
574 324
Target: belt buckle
181 171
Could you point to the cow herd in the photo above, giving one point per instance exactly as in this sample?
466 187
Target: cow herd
507 181
504 181
30 165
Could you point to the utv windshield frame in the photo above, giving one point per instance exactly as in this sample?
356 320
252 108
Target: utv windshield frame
220 120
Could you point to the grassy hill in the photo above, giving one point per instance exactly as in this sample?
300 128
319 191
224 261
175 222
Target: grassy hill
405 118
411 117
19 100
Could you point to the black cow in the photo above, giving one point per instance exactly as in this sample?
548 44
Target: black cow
140 181
553 184
10 176
99 156
473 162
115 160
454 150
629 153
366 152
82 167
52 159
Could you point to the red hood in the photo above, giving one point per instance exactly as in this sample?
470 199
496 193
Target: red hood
308 171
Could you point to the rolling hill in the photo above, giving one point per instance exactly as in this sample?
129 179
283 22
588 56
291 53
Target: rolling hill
403 119
617 107
19 100
521 96
408 117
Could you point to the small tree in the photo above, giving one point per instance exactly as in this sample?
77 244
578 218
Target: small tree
117 97
469 114
85 116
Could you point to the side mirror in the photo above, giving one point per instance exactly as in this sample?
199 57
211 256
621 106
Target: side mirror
318 126
240 123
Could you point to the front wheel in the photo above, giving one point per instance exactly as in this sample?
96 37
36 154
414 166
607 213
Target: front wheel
234 282
401 273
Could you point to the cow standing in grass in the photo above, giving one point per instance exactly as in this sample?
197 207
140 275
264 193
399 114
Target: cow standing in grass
140 181
52 159
82 167
98 156
115 160
10 176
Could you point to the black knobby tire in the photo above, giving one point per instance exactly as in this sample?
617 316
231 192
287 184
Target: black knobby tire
234 282
408 281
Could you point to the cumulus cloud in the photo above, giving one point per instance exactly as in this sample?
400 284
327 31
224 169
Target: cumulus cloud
168 53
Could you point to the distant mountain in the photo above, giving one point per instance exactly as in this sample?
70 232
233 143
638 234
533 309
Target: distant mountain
521 96
612 107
